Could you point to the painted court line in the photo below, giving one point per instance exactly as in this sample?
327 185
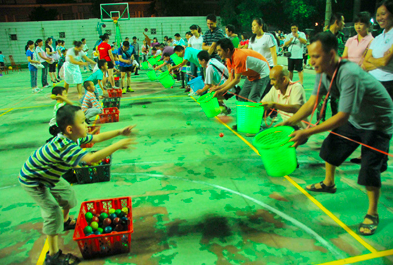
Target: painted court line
360 258
5 112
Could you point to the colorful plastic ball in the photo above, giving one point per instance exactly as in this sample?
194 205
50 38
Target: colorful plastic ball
221 135
108 229
125 210
116 221
103 216
107 222
94 225
144 106
124 218
119 213
89 234
99 229
112 216
95 219
88 230
88 216
124 246
10 67
97 232
118 227
188 123
93 211
111 211
107 161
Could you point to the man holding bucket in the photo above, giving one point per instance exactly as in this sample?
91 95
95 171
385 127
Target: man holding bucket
365 115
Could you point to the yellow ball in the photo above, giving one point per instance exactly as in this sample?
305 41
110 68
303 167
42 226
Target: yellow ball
57 65
10 67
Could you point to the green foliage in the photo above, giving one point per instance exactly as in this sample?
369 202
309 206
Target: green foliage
41 14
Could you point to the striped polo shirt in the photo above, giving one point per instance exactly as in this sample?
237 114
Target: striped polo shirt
90 101
213 36
47 164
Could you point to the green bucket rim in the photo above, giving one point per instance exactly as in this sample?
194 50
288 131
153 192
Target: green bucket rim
248 104
205 98
284 141
152 71
162 75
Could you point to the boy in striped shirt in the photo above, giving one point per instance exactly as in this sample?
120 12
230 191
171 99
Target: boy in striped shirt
41 175
90 106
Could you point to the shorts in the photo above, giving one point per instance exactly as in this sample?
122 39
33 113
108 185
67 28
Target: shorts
110 64
51 202
52 68
126 69
295 64
335 150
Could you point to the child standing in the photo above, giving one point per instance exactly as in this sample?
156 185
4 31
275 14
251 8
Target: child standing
32 69
145 51
90 106
60 95
97 77
41 175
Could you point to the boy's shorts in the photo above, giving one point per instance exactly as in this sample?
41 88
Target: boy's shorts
335 150
51 202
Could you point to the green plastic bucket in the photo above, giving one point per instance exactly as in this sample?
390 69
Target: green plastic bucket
152 61
249 117
176 59
144 66
277 155
166 79
152 75
209 105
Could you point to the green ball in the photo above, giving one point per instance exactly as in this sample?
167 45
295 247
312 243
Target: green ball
94 225
119 213
111 211
99 229
88 230
88 216
144 106
188 123
103 216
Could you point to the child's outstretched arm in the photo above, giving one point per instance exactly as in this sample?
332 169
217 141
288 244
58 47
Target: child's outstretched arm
109 135
97 156
66 100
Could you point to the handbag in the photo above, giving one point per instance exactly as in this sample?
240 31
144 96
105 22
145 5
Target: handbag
288 54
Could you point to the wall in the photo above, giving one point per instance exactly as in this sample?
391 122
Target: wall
78 29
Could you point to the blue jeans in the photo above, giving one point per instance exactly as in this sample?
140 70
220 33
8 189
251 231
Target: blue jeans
44 77
33 78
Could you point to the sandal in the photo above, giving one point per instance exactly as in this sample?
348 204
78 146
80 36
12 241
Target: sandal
372 227
68 225
61 259
324 188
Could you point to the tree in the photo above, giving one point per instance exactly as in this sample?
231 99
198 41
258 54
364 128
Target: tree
40 14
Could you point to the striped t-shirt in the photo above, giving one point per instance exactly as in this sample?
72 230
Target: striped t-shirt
47 164
90 101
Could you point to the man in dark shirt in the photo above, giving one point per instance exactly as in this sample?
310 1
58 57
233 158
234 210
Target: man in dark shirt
212 36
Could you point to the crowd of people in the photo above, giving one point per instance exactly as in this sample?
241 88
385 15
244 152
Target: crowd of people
355 75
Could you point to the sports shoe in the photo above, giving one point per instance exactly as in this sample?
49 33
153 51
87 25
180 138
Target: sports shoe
115 87
129 89
124 90
192 93
46 86
60 258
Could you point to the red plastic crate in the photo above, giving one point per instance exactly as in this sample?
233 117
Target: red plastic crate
109 115
105 244
91 128
115 93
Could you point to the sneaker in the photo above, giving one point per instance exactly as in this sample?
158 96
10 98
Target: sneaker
124 90
46 86
192 94
115 87
60 258
136 74
129 89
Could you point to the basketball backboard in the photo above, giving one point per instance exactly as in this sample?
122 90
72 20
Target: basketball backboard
110 11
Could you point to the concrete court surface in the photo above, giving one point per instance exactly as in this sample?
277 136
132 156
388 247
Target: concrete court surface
197 198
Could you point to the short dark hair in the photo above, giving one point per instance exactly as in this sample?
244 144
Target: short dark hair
83 39
178 48
66 116
388 4
127 37
177 35
154 49
328 40
231 28
336 16
166 55
294 24
170 39
363 17
126 43
226 44
58 90
86 84
162 45
189 33
134 38
211 17
194 27
64 51
101 63
204 55
78 44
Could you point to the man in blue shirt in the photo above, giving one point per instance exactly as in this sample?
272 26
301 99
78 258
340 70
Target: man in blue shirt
126 55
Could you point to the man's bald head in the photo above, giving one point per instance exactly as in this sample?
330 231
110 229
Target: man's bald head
279 77
279 72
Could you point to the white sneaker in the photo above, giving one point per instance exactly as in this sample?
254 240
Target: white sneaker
192 93
116 87
47 86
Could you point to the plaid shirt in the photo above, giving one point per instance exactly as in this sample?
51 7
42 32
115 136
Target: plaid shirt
213 36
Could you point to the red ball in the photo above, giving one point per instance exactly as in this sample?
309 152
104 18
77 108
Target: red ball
221 135
116 221
95 219
107 161
107 222
118 227
93 211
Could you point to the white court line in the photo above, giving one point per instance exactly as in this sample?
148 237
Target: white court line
295 222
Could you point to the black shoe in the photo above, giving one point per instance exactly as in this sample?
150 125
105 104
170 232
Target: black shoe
60 258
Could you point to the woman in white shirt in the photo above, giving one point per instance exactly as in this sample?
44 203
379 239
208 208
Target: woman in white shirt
44 60
263 43
195 42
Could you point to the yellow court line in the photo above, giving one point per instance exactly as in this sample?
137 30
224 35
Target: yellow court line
6 112
315 201
42 256
331 215
360 258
